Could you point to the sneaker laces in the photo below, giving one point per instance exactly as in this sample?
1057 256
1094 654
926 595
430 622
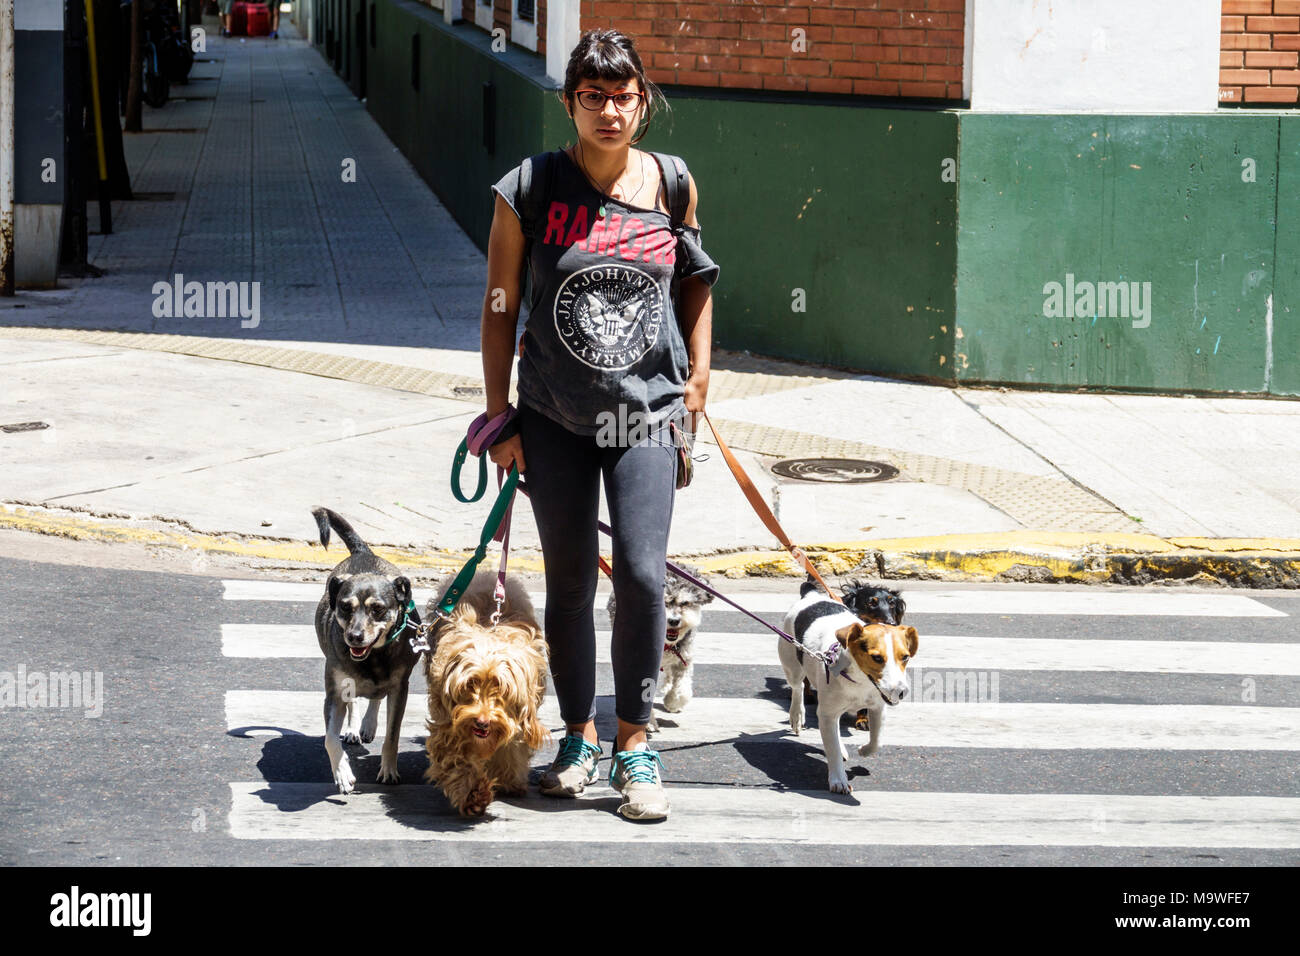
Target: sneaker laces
573 751
638 765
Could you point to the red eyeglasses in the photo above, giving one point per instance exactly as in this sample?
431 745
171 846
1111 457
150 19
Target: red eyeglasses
625 101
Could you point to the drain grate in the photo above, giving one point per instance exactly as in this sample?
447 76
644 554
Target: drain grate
842 470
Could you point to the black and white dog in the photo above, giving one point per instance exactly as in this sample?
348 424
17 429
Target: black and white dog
684 606
869 671
362 624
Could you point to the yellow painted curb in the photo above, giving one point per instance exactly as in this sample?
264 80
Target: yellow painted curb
1008 556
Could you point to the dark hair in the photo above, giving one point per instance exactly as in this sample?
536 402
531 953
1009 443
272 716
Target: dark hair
609 55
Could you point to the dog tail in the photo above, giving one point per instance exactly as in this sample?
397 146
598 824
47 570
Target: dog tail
325 519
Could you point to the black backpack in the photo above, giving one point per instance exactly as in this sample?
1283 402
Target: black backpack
541 169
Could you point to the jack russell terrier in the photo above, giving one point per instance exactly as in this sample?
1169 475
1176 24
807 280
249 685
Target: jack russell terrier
868 671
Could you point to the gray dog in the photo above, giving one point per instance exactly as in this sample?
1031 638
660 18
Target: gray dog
684 607
362 623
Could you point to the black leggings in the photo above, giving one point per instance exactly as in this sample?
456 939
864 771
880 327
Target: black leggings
563 477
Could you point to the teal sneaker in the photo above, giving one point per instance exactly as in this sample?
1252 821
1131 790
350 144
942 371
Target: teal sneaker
635 774
573 770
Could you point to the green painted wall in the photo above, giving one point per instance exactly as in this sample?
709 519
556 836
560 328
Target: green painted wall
1156 199
1285 379
845 203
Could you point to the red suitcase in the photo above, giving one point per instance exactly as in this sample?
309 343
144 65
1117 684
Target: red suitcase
239 19
259 20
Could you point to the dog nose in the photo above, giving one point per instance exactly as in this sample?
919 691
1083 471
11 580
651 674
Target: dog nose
902 692
481 724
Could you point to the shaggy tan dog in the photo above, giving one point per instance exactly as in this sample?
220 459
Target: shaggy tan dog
485 690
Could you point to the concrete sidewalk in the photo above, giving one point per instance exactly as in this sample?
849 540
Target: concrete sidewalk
362 372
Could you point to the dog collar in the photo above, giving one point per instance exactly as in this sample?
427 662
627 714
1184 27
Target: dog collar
406 622
673 648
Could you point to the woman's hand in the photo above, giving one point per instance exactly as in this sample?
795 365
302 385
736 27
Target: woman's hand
697 390
508 452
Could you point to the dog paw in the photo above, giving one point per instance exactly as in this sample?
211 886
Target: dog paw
476 803
345 778
674 704
350 737
866 750
388 774
839 783
370 726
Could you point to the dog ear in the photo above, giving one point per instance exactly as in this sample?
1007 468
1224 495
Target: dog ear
913 642
335 583
900 606
402 587
849 633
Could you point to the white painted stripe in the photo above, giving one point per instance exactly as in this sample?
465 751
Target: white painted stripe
937 651
270 640
911 724
316 811
1046 601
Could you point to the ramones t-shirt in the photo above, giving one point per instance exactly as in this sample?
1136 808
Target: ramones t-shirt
601 330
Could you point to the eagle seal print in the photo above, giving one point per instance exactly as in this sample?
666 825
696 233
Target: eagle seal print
608 316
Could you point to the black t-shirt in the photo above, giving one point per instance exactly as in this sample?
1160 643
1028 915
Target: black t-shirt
602 330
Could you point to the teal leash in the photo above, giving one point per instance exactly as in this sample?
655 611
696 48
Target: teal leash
500 509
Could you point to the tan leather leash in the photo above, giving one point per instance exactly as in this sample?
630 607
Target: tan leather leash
764 512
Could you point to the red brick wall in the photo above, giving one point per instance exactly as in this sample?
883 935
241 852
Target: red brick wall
875 47
1259 49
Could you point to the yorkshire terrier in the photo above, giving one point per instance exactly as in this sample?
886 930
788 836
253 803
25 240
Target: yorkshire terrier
486 684
684 606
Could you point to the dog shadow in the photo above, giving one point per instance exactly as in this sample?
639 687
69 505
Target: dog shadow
295 757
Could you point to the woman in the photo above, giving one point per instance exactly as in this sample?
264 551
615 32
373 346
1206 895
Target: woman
608 360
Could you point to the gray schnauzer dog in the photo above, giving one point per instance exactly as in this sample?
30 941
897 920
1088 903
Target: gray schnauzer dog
684 604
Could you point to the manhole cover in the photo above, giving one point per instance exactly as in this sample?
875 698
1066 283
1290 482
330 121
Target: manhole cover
24 427
845 470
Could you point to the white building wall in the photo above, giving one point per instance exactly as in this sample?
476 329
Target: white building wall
1106 56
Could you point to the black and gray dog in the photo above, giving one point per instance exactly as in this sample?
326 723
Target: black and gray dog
362 623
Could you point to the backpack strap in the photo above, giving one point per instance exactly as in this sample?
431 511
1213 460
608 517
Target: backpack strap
677 184
536 174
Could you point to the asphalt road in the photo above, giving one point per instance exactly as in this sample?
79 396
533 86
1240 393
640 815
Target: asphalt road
207 754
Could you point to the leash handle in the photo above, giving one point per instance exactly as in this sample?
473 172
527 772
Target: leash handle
482 434
764 512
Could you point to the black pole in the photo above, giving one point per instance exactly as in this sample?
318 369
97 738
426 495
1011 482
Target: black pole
73 250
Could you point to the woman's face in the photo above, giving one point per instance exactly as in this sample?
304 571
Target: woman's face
607 127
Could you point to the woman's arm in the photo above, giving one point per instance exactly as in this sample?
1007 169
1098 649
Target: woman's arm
697 323
499 321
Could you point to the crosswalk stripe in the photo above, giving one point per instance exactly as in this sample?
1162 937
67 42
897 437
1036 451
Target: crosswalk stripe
937 651
779 600
915 723
316 811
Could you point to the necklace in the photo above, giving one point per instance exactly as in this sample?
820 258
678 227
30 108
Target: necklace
600 212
